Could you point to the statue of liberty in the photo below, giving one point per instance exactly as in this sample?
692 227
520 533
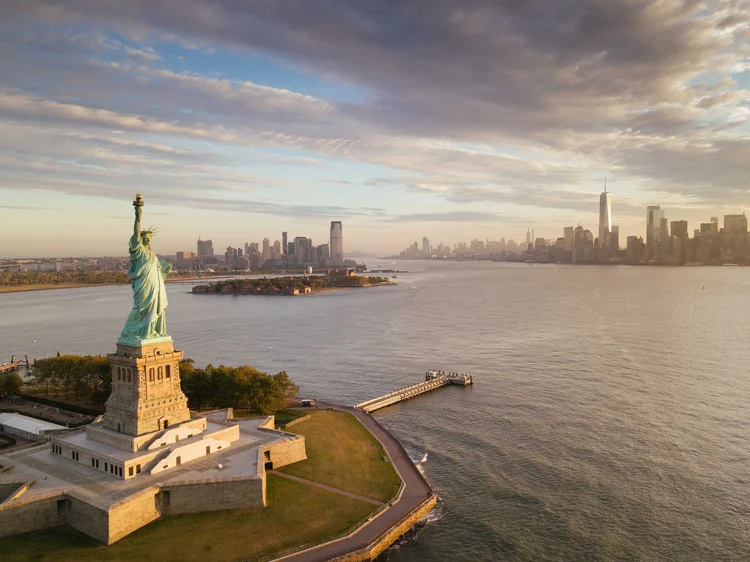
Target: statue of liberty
148 319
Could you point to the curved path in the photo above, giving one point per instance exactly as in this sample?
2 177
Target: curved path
415 492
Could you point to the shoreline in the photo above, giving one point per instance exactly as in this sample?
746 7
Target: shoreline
55 286
313 292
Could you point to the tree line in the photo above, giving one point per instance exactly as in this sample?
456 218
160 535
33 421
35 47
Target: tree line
89 378
238 387
273 282
15 279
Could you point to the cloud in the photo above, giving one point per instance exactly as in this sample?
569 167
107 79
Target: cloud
453 216
26 208
496 102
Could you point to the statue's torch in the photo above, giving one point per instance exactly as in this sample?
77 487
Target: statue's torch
138 200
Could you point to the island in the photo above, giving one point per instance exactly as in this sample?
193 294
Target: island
184 463
291 286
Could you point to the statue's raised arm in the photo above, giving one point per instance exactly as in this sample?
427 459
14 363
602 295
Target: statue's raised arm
138 206
148 318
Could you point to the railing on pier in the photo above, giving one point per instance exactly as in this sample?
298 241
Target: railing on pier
403 394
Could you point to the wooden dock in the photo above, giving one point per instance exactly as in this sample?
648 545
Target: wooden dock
433 381
8 367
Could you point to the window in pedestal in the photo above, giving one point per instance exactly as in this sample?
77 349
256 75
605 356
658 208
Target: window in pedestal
160 373
151 374
168 371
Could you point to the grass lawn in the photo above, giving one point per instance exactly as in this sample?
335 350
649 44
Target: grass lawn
343 454
283 417
297 514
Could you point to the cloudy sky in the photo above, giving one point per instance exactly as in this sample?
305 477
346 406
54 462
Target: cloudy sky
404 118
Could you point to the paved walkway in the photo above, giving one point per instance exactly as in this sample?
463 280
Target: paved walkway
326 487
416 491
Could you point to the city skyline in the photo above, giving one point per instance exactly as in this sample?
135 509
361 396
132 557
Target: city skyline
278 118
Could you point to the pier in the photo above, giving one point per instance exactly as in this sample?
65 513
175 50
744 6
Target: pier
433 381
13 365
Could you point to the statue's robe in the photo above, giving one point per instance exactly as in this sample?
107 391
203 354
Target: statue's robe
148 318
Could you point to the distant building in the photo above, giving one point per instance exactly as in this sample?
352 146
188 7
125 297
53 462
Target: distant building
255 260
230 256
735 223
635 249
184 260
337 243
654 216
205 249
605 216
300 250
679 229
426 250
613 241
284 243
568 236
266 250
735 243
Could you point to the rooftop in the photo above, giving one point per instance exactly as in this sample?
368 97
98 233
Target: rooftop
54 474
25 423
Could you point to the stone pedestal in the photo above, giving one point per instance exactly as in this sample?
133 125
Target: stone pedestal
146 394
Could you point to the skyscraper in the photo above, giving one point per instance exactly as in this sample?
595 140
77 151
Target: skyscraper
284 243
337 243
426 250
528 238
568 235
205 248
654 216
300 250
605 216
266 250
680 229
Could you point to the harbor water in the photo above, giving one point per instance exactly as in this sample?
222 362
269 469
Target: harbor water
609 417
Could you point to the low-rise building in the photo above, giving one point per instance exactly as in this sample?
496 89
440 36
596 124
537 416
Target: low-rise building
25 427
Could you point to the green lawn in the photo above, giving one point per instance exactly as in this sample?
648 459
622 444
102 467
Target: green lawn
283 417
343 454
297 514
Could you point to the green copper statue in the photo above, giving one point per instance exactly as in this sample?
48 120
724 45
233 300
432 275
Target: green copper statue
148 319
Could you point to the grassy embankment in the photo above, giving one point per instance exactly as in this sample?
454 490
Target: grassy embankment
341 454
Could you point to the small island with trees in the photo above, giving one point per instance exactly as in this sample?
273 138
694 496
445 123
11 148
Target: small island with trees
300 285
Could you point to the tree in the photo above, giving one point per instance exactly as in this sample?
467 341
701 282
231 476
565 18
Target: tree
11 383
87 376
